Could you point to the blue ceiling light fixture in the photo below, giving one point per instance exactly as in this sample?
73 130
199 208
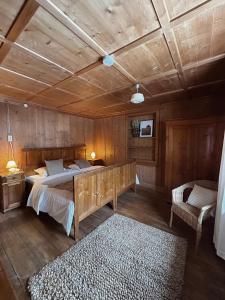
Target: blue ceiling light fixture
108 60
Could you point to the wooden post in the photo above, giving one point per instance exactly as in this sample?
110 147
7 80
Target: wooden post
171 218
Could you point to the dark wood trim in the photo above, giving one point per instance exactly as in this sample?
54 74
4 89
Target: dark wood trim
25 14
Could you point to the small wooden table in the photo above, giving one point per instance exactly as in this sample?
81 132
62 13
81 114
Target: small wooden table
97 162
12 190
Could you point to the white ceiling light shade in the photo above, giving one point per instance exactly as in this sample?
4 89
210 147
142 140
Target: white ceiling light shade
108 60
137 97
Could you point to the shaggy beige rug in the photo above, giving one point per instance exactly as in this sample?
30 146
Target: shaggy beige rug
121 259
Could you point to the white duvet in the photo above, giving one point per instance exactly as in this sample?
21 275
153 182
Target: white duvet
57 203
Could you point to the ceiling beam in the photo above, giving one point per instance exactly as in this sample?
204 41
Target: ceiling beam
204 62
201 8
25 14
170 39
150 36
81 34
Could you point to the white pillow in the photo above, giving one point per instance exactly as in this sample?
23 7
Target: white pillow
41 171
201 196
74 167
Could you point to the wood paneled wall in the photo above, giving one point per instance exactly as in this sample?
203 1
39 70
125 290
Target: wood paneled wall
111 135
38 127
110 142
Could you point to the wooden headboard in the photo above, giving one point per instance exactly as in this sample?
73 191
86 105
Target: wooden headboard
34 158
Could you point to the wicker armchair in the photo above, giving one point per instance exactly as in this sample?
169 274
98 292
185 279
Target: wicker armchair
189 214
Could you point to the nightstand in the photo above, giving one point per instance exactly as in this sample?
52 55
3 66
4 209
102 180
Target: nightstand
12 190
96 162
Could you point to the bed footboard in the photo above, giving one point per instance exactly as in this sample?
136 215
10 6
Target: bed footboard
93 190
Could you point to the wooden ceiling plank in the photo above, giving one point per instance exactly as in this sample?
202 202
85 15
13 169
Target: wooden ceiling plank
206 84
64 19
169 38
24 76
207 5
56 42
150 36
23 17
177 9
204 62
35 54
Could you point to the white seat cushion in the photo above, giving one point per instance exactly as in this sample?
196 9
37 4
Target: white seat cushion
201 196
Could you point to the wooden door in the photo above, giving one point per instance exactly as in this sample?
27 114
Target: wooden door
193 150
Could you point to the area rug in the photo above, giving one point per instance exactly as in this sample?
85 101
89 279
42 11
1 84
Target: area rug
121 259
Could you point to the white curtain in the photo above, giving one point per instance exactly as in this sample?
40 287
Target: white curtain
219 231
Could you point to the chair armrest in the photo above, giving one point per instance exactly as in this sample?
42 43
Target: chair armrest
204 211
177 193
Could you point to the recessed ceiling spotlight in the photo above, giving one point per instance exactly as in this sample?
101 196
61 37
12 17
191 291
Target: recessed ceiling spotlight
25 105
108 60
137 97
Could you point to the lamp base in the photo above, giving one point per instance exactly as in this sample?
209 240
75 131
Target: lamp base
13 170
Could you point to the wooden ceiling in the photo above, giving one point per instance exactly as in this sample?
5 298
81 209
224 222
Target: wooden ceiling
51 52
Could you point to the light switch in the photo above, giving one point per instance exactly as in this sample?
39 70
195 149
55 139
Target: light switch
10 138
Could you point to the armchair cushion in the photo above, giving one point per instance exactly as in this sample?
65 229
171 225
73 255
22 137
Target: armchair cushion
201 196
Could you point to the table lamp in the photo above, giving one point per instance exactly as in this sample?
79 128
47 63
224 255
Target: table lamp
93 155
11 166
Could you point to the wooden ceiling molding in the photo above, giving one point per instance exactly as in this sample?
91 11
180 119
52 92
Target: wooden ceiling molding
34 67
56 42
92 104
111 24
79 87
162 85
148 59
51 52
206 73
22 18
162 14
177 9
14 93
8 77
50 102
59 95
106 78
202 36
8 11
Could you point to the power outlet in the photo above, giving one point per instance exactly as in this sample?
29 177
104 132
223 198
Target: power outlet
10 138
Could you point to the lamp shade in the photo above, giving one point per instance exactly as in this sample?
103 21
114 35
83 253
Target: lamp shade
137 98
11 164
93 155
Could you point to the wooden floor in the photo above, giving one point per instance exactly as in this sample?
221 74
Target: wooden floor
28 242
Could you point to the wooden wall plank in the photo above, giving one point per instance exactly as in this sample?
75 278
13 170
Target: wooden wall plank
111 133
38 127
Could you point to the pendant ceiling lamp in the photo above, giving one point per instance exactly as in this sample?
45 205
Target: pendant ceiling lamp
137 97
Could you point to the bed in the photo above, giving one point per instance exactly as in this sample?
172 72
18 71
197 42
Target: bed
73 195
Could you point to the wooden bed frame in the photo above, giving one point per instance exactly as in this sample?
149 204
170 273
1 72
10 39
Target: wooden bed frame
33 158
92 190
